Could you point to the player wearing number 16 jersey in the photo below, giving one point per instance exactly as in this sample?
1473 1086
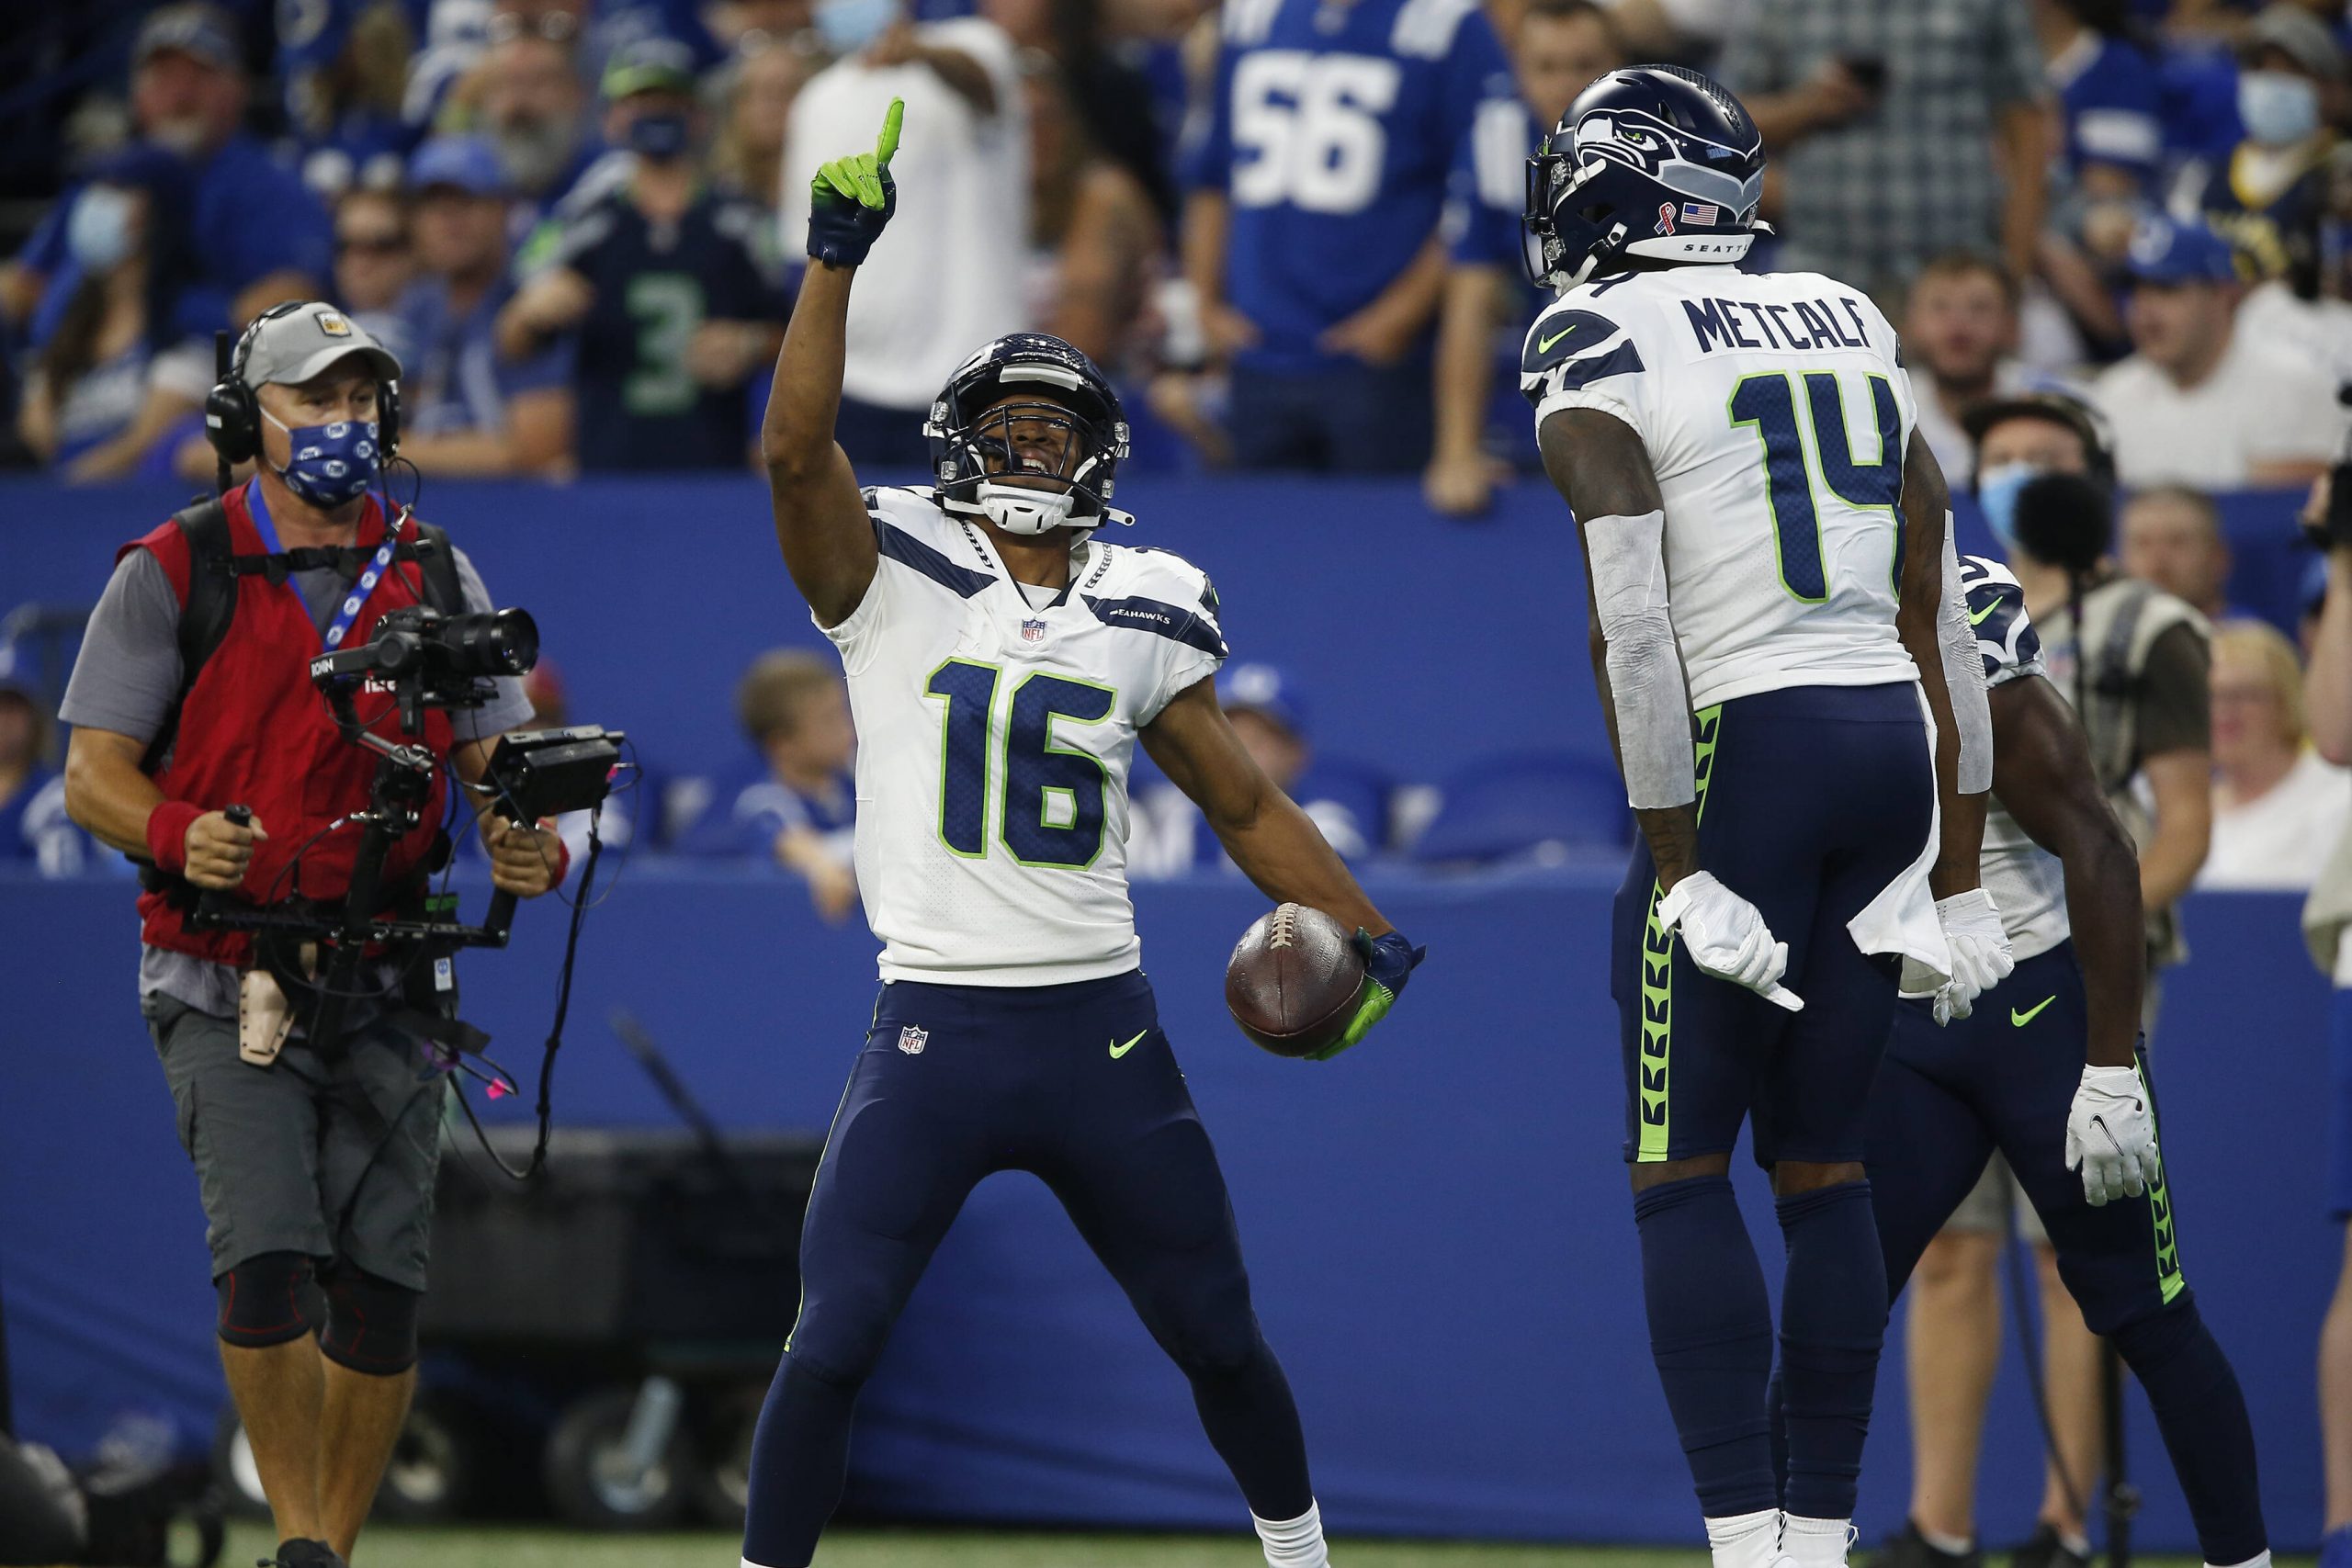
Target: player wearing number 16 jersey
1003 662
1776 608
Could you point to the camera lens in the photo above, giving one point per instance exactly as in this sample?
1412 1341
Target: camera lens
495 642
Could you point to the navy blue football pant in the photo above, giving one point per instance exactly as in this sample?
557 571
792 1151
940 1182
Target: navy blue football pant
1812 800
1078 1085
2004 1079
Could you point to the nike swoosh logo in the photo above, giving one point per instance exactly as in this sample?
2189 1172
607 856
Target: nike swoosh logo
1978 619
2023 1019
1544 345
1119 1050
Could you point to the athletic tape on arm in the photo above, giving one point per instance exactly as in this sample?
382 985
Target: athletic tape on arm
1644 666
1965 676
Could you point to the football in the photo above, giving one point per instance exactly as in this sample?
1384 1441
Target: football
1292 981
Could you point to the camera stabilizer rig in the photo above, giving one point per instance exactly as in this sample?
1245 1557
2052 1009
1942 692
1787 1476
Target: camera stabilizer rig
422 659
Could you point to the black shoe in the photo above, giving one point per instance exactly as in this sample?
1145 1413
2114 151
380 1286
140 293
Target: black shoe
2044 1550
1908 1549
302 1552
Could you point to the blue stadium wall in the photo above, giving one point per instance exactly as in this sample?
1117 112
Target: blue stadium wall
1437 1225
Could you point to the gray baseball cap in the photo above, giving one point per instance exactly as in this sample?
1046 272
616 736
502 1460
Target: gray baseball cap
302 343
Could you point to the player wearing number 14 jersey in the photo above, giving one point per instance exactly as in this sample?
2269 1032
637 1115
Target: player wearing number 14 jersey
1003 663
1776 610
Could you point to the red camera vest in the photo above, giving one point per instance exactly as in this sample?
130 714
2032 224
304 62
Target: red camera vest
254 730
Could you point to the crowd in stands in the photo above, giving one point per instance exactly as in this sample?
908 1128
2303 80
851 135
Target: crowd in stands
1289 228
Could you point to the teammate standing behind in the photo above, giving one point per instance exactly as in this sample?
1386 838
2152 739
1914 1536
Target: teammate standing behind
1750 440
1002 664
2060 1071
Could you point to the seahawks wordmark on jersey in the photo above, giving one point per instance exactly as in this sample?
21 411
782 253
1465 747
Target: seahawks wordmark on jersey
994 739
2027 884
1777 414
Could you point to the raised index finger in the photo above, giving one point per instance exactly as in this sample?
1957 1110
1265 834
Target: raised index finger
885 146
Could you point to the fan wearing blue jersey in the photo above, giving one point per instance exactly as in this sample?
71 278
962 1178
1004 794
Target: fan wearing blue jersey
2046 1070
1003 662
1316 177
1750 492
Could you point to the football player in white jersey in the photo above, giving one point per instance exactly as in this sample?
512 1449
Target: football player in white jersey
1003 662
1775 606
2047 1071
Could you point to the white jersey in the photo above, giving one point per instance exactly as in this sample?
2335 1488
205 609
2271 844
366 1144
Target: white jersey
994 742
2025 881
1776 414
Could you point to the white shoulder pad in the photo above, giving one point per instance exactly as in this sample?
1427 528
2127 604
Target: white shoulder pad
1153 589
1577 342
2004 634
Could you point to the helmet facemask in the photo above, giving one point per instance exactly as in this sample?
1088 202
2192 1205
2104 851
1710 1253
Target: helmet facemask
1029 462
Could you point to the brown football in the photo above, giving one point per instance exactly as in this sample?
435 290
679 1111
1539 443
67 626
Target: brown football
1292 981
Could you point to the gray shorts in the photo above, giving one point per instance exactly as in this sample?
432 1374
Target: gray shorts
285 1157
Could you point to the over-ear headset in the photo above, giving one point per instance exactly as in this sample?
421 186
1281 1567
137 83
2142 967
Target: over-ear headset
233 413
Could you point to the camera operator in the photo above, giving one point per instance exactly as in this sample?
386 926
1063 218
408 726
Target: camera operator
315 1157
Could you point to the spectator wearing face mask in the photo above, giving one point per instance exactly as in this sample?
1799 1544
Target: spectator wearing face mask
2172 539
2276 801
2199 402
665 288
111 383
266 238
1959 335
2269 198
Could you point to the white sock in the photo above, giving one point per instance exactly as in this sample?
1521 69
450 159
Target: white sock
1746 1541
2261 1562
1817 1543
1951 1545
1295 1543
2080 1545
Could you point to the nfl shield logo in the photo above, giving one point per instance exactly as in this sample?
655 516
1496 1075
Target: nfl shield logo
912 1040
1033 631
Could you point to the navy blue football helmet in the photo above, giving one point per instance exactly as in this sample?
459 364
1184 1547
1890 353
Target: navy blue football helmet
1028 434
1652 161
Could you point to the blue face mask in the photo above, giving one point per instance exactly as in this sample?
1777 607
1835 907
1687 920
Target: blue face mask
1997 497
848 26
334 464
2279 108
98 231
661 137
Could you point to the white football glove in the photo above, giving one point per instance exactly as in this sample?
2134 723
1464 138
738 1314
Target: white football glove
2111 1137
1980 952
1726 937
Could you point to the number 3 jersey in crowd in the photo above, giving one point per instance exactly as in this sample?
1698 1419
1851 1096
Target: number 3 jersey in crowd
995 729
1333 131
1776 413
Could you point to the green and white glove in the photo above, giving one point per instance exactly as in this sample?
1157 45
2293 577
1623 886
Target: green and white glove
1388 963
853 197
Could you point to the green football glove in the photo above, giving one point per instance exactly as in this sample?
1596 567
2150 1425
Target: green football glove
1388 963
852 198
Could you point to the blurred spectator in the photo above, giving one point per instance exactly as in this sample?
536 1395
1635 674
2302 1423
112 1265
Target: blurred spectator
747 153
2172 538
1318 175
373 261
2198 402
1268 713
1960 333
34 829
466 409
1558 48
2271 200
752 25
949 276
2276 801
2109 97
800 810
343 67
1688 30
265 237
1112 99
108 385
526 96
1095 239
666 287
1900 132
